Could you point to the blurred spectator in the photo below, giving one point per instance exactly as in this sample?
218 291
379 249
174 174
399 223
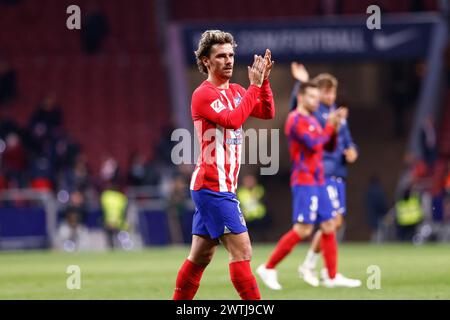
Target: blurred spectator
408 213
8 83
177 207
447 180
419 171
251 197
446 196
437 206
15 161
137 171
376 207
109 170
44 127
153 173
72 235
428 141
46 119
63 152
185 170
94 30
76 177
114 204
41 174
77 204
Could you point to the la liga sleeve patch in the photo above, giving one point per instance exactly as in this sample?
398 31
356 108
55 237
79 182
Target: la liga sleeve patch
217 105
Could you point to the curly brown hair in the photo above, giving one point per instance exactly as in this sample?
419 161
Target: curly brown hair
207 40
325 81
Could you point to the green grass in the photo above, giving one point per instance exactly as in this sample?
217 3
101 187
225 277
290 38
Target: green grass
407 272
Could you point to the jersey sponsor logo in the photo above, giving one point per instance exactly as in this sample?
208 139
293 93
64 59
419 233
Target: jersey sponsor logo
235 141
217 105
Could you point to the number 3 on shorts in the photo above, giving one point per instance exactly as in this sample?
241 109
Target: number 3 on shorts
314 204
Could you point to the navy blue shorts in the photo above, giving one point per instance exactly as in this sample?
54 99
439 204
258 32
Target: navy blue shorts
336 193
216 213
311 204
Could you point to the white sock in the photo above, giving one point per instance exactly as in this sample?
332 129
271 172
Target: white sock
311 259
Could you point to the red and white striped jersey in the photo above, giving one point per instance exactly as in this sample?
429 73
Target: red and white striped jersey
218 115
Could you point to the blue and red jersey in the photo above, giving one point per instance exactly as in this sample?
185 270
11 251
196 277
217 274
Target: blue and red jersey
334 161
307 140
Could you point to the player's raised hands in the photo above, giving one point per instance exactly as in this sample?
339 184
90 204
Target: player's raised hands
350 155
333 118
337 116
256 71
268 62
299 72
342 112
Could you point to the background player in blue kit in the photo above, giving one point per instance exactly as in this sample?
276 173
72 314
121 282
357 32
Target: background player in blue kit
311 204
334 162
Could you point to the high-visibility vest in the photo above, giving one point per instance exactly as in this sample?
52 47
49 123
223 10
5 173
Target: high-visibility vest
251 204
409 211
114 204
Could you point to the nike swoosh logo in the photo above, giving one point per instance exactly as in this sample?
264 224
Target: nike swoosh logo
383 42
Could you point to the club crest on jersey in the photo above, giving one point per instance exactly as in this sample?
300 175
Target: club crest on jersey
235 137
237 100
217 105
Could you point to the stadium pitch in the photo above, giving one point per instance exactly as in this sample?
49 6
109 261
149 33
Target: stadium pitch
407 272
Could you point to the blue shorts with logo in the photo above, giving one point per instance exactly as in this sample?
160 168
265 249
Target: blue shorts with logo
216 213
336 193
311 204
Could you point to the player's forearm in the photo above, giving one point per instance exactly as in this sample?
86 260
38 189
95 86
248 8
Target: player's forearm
315 143
234 119
265 109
